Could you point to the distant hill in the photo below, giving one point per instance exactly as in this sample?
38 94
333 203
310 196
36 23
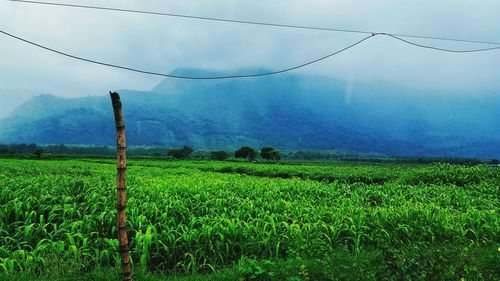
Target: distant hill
10 99
286 111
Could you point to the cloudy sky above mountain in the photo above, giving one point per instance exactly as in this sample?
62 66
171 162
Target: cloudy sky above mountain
162 44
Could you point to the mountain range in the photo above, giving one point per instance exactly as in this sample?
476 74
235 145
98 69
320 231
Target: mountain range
289 111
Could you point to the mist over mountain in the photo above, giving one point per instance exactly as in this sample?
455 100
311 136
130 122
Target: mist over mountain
10 99
290 111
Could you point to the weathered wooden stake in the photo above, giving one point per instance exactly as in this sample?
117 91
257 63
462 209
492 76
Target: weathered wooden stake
121 167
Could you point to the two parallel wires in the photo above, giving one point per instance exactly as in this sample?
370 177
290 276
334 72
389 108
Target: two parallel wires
370 35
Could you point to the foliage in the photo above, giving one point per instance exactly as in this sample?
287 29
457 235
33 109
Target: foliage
254 270
260 221
298 111
219 155
38 153
181 153
270 154
327 156
21 148
246 152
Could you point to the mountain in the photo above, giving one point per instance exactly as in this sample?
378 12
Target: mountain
10 99
290 111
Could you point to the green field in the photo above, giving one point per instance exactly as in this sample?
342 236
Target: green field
207 220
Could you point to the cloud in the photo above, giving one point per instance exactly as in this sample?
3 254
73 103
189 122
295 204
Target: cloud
163 44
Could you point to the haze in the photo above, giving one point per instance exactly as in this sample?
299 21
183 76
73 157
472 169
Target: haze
164 44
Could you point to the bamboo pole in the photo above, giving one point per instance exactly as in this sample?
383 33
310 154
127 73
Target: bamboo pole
121 167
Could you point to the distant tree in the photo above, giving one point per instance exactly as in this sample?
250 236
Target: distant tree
31 148
270 154
4 149
494 162
246 152
176 153
275 155
219 155
38 153
187 151
182 153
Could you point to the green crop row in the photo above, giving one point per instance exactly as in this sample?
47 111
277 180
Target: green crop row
435 174
199 216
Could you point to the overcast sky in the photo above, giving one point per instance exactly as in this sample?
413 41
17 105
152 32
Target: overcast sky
163 44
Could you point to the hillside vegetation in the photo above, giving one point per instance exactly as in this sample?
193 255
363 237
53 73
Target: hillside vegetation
289 112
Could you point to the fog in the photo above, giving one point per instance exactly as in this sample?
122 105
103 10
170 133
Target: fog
163 44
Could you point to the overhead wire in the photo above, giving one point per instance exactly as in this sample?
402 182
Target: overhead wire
247 22
371 34
438 48
235 75
182 76
190 16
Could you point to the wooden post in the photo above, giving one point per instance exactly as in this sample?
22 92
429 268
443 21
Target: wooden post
121 167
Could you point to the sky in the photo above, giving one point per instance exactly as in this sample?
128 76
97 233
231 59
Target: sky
163 44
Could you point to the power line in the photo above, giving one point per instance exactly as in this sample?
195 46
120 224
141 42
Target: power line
181 76
437 48
446 39
191 17
249 22
239 75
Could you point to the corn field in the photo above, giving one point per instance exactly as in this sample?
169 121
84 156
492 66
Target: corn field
200 216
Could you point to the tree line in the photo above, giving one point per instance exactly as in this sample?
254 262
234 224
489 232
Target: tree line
245 152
